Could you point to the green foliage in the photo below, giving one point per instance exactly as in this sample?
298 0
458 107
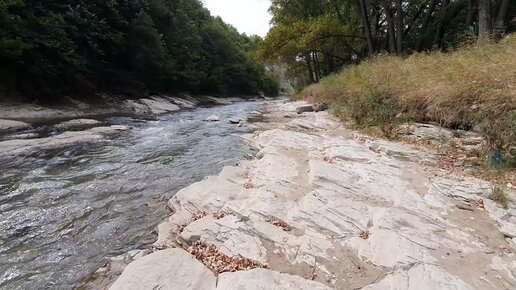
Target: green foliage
318 38
50 48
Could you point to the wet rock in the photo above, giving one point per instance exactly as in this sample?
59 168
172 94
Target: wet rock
236 120
255 116
169 269
76 124
11 125
213 118
26 146
157 105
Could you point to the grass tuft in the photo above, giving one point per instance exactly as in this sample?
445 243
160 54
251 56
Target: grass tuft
499 195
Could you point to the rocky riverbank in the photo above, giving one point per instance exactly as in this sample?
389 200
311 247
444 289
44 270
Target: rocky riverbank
323 207
27 128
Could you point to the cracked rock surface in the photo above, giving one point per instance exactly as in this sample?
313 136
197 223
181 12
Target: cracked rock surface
324 207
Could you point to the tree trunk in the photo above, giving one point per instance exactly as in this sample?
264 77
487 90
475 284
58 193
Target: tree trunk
426 22
310 71
390 29
400 29
499 27
472 10
485 24
316 66
441 29
366 26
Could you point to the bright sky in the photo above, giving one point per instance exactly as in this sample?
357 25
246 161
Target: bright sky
248 16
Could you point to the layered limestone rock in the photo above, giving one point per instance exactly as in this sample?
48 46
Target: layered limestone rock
26 146
331 209
77 124
11 125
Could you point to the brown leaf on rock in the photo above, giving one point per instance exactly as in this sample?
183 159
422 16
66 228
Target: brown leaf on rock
249 185
480 204
210 256
281 224
364 234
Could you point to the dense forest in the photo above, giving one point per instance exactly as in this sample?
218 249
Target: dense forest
55 47
318 38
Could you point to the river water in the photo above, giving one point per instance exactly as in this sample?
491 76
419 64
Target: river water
63 213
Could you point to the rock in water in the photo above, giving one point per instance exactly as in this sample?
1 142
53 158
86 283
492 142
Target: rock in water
213 118
77 124
236 120
11 125
305 109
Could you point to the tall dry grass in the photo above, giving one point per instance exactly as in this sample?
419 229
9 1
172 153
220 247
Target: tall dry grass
474 87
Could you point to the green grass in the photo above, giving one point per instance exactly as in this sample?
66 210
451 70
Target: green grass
499 195
467 88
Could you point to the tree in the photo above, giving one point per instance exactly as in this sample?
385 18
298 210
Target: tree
485 23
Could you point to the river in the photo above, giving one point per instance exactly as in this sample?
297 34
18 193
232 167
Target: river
64 213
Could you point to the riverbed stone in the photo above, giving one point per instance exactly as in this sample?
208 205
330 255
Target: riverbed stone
213 118
76 124
11 125
159 105
27 146
168 269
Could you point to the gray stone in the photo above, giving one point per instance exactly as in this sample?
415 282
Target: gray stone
237 120
76 124
304 109
25 146
11 125
213 118
263 279
169 269
422 277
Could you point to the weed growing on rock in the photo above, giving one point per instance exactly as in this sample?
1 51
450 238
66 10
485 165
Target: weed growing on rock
499 195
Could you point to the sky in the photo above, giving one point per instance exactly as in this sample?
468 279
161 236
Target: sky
248 16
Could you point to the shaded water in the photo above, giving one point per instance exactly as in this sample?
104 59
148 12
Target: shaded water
63 213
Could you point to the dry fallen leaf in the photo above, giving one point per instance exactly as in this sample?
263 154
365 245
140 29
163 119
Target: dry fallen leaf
210 256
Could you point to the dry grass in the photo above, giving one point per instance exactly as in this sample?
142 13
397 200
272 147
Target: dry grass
499 195
473 86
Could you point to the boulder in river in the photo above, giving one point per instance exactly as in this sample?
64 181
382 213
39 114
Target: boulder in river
213 118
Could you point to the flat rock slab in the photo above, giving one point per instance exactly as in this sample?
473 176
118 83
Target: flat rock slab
172 269
176 269
27 146
11 125
77 124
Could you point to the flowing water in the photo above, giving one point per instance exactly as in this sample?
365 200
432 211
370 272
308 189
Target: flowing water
63 213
